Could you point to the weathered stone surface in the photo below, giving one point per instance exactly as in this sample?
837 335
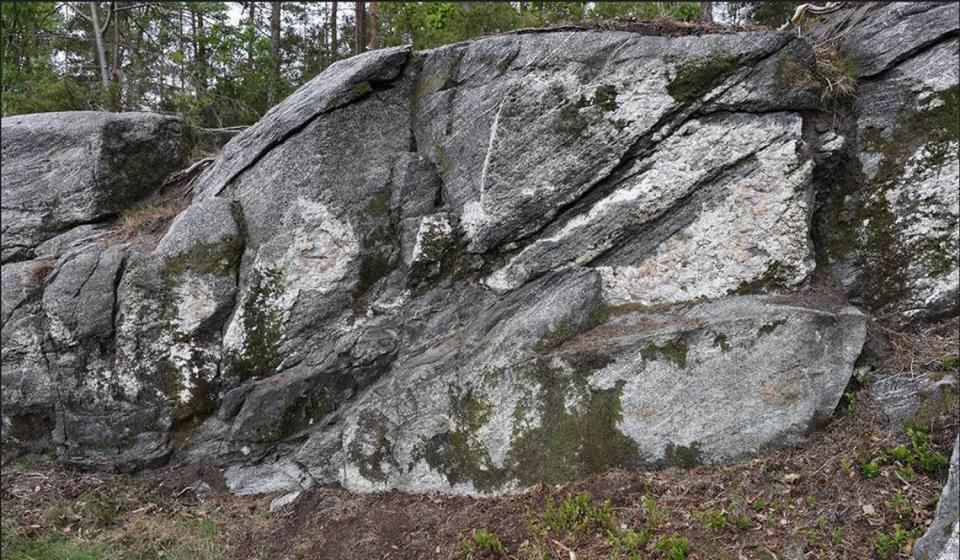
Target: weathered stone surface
942 539
891 233
519 259
898 31
691 385
915 399
61 170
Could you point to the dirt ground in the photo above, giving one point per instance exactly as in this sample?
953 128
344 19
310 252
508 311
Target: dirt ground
857 488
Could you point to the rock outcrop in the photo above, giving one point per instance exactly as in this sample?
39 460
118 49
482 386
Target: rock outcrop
519 259
942 539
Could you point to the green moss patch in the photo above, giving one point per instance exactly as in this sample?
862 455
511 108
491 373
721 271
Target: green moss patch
262 326
570 444
218 259
697 76
674 350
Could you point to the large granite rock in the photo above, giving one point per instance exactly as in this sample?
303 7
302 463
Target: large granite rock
61 170
513 260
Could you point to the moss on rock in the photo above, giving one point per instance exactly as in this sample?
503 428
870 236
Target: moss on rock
697 76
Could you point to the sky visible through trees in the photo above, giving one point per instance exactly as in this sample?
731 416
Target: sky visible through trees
223 64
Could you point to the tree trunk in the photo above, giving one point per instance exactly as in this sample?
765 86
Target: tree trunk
360 31
333 33
200 52
374 32
274 53
253 29
98 41
115 63
706 12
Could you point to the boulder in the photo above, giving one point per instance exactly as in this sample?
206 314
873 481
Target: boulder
62 170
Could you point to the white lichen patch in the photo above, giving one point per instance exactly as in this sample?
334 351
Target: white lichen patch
194 302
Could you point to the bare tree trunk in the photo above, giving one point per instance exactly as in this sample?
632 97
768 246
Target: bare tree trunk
374 32
115 64
253 28
101 53
333 33
200 52
706 12
360 32
274 53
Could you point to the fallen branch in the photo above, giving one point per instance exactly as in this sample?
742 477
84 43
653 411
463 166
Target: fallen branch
802 10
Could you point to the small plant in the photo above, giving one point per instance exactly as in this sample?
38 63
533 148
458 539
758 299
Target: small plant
869 469
810 500
577 514
629 542
901 454
674 547
654 513
906 473
890 545
837 72
949 362
484 542
846 465
713 519
742 523
758 505
898 503
930 459
835 536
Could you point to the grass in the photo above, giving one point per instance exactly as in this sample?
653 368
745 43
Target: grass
148 220
837 72
483 543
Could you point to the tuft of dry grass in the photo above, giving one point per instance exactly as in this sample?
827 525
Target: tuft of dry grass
148 220
39 272
837 71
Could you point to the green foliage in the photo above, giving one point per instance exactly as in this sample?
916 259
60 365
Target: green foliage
578 515
481 541
674 547
889 545
930 459
712 519
654 513
869 469
628 542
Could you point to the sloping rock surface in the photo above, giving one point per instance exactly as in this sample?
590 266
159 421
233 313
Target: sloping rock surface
513 260
61 170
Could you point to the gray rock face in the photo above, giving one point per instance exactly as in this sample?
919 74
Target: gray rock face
65 169
513 260
942 539
892 231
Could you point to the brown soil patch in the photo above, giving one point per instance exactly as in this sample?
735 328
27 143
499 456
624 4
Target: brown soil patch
812 500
